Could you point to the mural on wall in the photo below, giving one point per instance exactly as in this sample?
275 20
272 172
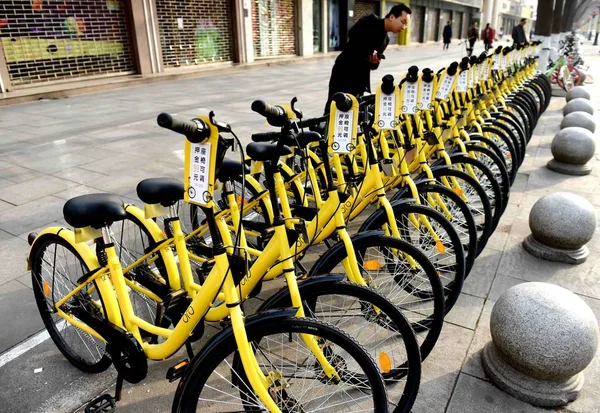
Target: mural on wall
46 29
207 41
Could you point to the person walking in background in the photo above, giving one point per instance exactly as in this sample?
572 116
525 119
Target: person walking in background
473 36
500 32
518 33
447 35
488 35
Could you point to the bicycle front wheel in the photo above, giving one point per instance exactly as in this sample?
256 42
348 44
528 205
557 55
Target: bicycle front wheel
217 382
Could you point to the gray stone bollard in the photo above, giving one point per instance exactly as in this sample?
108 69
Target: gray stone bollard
579 119
561 224
573 149
578 105
578 92
543 336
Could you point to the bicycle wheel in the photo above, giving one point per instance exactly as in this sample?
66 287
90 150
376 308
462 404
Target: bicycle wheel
510 154
455 210
216 380
446 253
56 268
488 158
384 264
486 179
377 325
475 197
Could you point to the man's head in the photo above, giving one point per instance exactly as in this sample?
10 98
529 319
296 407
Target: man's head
487 26
398 18
523 22
448 22
474 24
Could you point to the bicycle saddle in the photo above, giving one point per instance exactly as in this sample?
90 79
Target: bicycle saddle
164 191
230 168
94 210
265 151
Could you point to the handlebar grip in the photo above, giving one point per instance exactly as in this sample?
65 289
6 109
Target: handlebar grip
474 60
464 63
343 102
313 122
387 84
266 136
195 130
413 74
452 69
276 115
427 75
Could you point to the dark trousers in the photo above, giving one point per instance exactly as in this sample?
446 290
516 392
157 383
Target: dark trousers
488 46
446 45
470 49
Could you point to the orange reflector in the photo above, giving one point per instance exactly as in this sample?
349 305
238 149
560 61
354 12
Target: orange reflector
385 363
509 156
239 200
46 289
372 265
440 246
459 191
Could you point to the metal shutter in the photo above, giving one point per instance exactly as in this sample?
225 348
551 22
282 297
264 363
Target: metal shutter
416 24
457 24
195 32
364 8
274 27
54 40
433 20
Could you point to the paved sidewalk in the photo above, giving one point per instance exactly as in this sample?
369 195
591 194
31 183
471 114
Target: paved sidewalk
51 151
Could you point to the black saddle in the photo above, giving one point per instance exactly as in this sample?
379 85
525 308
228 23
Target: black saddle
302 139
230 168
164 191
94 210
265 151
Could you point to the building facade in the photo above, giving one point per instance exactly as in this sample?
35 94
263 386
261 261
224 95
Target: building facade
57 41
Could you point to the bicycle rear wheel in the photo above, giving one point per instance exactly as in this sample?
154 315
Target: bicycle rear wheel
51 282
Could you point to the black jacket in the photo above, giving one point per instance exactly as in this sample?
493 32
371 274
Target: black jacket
352 70
447 33
518 34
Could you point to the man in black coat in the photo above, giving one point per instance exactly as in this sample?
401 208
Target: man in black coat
447 35
518 33
363 52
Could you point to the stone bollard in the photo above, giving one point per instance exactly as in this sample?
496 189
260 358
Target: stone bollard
543 336
573 149
579 119
578 105
561 224
577 93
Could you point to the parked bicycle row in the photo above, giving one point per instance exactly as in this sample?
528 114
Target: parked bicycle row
426 163
569 70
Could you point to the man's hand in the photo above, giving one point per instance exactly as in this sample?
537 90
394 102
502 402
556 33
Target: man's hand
374 58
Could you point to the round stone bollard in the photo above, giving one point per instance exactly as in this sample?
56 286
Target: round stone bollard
577 93
578 105
580 120
543 336
573 149
561 224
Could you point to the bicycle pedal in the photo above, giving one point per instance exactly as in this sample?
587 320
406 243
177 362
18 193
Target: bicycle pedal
103 404
177 370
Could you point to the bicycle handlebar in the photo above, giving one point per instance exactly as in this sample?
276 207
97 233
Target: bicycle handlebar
195 130
342 101
275 115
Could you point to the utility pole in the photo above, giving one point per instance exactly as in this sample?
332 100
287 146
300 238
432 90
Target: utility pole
543 29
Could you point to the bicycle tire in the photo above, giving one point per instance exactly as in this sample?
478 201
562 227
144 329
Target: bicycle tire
94 364
195 378
426 322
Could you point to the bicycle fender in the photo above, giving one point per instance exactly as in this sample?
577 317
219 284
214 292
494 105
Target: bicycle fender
83 249
419 180
315 270
377 214
282 298
223 338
